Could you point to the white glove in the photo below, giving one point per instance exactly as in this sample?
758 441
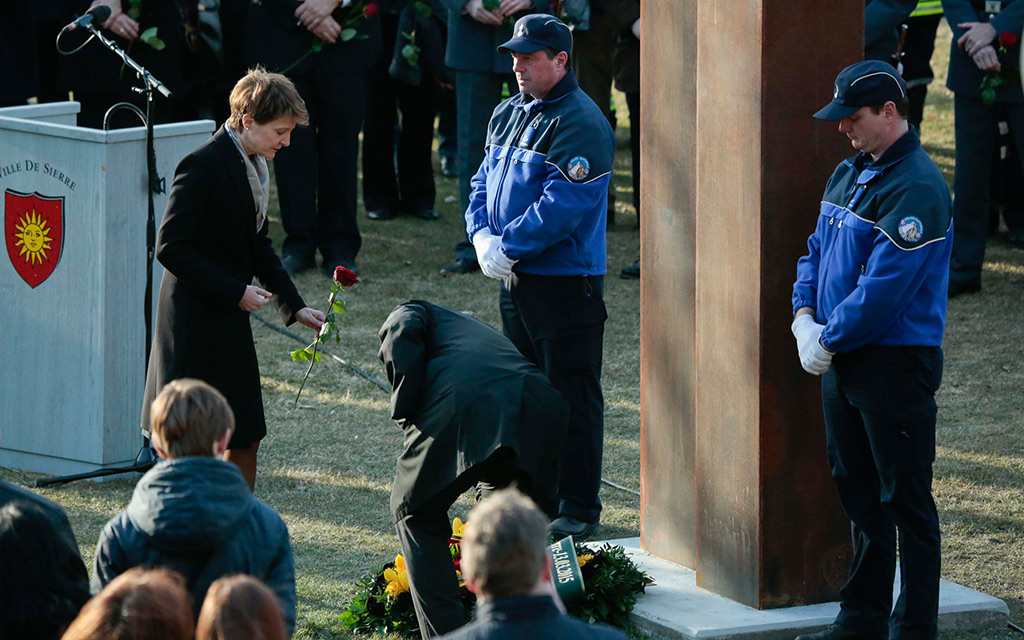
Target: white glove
493 262
813 357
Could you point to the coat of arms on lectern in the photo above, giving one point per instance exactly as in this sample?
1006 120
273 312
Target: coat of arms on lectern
33 233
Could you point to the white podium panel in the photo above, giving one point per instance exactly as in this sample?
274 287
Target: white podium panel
72 283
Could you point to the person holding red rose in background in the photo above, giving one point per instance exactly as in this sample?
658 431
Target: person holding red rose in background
985 47
212 242
326 48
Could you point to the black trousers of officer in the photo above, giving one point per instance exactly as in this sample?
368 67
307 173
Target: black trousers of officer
317 175
976 129
476 95
880 439
557 322
414 187
424 534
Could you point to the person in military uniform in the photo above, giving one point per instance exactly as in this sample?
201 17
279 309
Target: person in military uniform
922 25
977 26
870 311
536 219
473 410
481 73
882 20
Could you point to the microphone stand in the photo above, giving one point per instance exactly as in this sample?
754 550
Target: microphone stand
146 457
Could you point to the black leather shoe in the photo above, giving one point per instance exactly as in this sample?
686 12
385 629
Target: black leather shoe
459 267
835 632
565 526
426 214
958 287
448 167
632 272
381 214
293 264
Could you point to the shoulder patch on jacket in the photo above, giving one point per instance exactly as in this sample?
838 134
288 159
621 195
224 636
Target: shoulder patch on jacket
917 217
583 144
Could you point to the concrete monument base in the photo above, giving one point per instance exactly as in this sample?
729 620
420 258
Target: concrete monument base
676 608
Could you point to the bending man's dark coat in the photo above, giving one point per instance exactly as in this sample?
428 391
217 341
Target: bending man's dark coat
461 391
210 250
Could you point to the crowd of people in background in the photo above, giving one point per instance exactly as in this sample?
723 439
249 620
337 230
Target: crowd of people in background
388 69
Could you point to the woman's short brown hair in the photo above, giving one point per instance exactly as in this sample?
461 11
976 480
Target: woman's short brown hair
139 604
188 417
240 608
265 96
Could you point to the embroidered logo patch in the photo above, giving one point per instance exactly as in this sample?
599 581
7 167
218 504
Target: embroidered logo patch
579 168
911 229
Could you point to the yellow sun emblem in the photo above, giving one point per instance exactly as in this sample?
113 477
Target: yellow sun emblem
33 238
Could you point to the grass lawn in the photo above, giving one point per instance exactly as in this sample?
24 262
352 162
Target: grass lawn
327 465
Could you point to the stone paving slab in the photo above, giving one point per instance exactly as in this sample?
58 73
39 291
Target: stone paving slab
676 608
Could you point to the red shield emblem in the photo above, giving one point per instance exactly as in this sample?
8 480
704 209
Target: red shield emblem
34 234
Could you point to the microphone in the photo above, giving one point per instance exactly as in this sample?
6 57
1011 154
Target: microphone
97 15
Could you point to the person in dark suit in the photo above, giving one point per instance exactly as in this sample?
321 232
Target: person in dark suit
473 411
506 564
327 48
977 27
212 241
401 86
474 34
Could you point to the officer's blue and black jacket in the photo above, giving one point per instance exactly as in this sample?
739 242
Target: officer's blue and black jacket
543 184
877 269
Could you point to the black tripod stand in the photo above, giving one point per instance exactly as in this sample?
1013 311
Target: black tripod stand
146 457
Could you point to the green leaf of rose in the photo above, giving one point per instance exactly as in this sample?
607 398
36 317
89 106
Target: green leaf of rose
348 34
149 37
422 8
317 45
299 355
339 307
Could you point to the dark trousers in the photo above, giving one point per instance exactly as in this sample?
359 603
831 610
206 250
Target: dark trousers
413 188
880 412
476 95
557 322
447 125
316 176
917 55
976 127
424 534
593 58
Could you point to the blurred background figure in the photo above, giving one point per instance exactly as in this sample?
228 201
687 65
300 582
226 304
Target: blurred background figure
43 583
317 180
240 608
140 604
918 47
403 97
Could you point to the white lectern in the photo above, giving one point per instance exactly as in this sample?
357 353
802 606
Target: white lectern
72 282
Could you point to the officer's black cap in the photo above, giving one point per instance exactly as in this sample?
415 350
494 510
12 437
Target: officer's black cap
538 31
865 84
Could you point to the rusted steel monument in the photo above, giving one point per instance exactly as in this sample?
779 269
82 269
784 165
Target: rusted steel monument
734 479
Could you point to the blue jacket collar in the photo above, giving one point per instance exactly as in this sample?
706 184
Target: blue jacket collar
564 87
900 149
517 609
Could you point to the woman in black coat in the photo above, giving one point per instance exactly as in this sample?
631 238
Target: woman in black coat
212 241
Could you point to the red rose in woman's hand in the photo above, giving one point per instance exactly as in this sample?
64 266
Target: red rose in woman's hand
369 11
345 277
1007 40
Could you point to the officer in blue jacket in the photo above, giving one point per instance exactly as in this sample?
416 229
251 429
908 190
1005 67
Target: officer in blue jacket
870 310
536 217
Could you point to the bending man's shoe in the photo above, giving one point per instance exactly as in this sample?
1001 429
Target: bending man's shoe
836 632
459 267
565 526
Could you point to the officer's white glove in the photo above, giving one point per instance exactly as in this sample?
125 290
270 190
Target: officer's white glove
493 262
813 357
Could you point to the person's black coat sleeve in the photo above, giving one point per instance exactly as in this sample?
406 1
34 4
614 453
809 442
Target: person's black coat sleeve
191 191
275 279
403 352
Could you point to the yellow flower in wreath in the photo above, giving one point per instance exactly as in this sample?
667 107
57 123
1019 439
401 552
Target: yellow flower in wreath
585 558
397 578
